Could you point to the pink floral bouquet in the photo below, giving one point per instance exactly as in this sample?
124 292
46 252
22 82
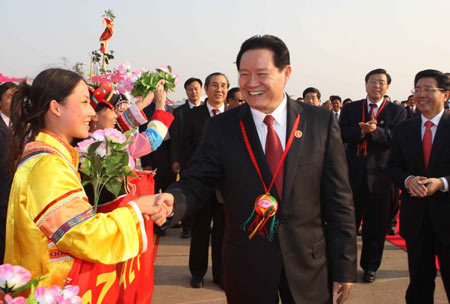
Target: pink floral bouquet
16 279
104 161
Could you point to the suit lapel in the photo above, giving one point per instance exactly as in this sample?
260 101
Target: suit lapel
290 166
440 139
416 141
245 116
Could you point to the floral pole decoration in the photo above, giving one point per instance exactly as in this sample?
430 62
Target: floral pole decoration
104 161
16 279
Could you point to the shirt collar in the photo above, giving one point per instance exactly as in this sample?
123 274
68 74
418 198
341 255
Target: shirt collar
435 120
191 105
279 114
210 108
5 119
377 103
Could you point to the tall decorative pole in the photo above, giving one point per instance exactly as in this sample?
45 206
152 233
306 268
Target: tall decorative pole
108 19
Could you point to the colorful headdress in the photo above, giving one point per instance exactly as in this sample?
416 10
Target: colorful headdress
102 94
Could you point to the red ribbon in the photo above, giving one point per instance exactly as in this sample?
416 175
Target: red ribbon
285 152
378 112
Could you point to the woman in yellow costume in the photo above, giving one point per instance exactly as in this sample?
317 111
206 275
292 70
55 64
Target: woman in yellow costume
50 220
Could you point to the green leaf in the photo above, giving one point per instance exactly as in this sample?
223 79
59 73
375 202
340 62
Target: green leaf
93 147
114 186
31 284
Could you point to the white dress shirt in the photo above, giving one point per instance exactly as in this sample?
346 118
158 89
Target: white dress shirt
378 103
210 108
191 105
279 123
435 120
5 118
337 114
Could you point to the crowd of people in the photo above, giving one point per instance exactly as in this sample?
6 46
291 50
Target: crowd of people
280 187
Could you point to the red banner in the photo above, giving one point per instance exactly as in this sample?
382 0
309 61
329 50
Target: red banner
127 282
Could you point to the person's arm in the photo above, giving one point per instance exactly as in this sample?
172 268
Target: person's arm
338 209
148 141
383 135
61 210
200 180
351 132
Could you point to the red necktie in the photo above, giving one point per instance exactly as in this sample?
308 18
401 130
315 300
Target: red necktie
215 112
274 151
371 112
427 142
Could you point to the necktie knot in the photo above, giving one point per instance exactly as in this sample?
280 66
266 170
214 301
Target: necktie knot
215 112
429 124
268 120
373 106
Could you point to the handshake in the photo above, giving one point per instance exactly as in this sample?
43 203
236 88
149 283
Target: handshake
157 207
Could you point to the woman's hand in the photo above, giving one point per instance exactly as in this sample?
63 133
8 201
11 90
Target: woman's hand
160 96
156 207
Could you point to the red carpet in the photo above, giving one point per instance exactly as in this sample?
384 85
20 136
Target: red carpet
400 242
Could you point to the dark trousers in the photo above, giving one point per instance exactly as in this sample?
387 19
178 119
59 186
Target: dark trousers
395 206
284 290
201 233
422 265
375 211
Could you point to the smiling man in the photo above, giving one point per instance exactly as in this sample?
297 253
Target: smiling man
366 126
280 164
420 165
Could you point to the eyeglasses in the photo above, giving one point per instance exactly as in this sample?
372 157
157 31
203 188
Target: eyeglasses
375 82
427 90
239 100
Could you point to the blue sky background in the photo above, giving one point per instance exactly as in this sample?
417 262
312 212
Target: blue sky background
333 44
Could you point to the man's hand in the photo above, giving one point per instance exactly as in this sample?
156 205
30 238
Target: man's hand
176 167
156 207
432 185
343 290
416 186
368 127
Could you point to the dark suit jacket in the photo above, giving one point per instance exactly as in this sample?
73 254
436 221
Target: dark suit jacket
5 185
316 235
407 159
160 157
410 113
371 167
177 135
196 119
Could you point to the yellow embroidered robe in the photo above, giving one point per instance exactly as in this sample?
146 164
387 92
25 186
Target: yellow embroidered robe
50 220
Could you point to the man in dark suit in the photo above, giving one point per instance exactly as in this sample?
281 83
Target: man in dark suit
6 92
312 242
420 165
366 127
216 88
178 155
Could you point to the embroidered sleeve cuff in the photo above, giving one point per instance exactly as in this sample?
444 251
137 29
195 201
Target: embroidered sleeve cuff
444 181
165 117
131 118
140 225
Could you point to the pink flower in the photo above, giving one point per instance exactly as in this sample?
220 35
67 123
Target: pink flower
98 135
101 150
18 300
83 146
48 296
70 295
13 277
115 136
124 67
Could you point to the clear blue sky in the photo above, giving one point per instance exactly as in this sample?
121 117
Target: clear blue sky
333 44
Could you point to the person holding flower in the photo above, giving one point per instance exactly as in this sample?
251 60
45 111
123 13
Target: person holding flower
50 221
